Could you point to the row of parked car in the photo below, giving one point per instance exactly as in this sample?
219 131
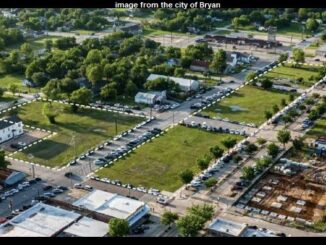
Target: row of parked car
209 99
53 191
151 191
165 107
204 126
118 152
20 187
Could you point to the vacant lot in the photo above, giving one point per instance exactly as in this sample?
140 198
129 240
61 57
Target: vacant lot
158 164
319 129
89 128
7 80
293 73
248 105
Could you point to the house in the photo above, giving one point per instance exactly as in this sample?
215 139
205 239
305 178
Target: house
114 205
199 65
185 84
10 128
150 98
237 58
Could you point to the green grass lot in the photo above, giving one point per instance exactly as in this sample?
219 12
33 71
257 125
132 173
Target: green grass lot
36 44
90 127
293 73
156 32
83 32
8 98
319 129
250 102
158 163
7 80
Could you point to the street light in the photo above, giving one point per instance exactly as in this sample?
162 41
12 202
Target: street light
31 156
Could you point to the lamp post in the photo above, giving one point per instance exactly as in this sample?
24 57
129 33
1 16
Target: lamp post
31 156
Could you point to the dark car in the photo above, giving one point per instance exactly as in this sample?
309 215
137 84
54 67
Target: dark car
64 188
32 181
138 230
38 179
68 174
47 187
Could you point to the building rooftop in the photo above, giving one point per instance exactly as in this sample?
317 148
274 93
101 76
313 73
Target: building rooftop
111 204
227 227
181 81
41 220
5 124
257 233
87 227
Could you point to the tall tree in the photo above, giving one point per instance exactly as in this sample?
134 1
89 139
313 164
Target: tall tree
118 227
219 61
283 137
298 55
168 218
3 163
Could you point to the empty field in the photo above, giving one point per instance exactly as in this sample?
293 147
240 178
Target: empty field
89 128
248 105
7 80
293 73
158 164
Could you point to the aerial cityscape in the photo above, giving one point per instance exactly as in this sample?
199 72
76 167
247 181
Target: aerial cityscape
163 122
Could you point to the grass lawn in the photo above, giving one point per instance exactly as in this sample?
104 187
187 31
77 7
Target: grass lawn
90 127
294 29
319 129
248 105
83 32
158 163
7 80
295 73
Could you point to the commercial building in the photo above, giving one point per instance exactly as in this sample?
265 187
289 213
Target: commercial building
114 205
9 177
226 228
41 220
185 84
86 227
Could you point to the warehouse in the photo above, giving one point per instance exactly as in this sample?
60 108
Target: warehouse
185 84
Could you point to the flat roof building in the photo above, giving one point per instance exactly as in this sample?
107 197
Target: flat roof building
87 227
226 228
114 205
41 220
184 83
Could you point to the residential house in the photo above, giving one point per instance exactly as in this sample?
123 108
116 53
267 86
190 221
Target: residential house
10 128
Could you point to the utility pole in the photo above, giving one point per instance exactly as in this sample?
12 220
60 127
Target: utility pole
116 125
90 165
73 142
173 117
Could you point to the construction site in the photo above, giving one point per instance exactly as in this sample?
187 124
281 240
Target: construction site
289 192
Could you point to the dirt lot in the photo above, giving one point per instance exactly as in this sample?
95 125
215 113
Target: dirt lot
297 197
28 137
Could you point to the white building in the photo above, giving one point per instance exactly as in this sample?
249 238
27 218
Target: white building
87 227
185 84
10 128
41 220
150 98
114 205
226 228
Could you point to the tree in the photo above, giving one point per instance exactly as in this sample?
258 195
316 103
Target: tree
94 56
248 172
3 163
273 149
275 109
250 148
219 61
26 49
313 115
229 142
168 218
2 91
205 211
216 151
283 102
94 73
268 115
283 57
291 97
109 92
251 75
52 89
186 176
298 55
189 225
13 88
210 182
48 44
131 88
202 163
39 78
312 25
266 83
50 112
298 144
81 96
283 137
118 227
